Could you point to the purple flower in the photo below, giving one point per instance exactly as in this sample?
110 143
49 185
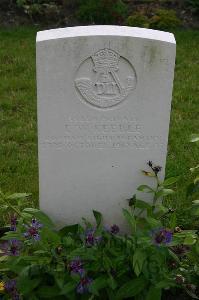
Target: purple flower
162 236
13 223
156 169
11 247
114 229
76 266
180 250
84 285
150 163
33 230
90 238
11 288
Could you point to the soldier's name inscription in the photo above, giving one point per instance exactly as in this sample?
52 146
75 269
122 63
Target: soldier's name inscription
94 133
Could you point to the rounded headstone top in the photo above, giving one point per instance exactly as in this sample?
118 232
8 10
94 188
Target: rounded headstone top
105 30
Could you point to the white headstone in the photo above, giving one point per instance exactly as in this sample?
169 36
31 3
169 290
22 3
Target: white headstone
104 99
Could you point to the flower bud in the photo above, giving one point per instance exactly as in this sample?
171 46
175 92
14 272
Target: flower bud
191 287
177 229
59 249
179 279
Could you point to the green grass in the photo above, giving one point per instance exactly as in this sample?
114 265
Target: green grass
18 126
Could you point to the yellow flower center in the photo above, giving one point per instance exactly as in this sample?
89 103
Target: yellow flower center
2 286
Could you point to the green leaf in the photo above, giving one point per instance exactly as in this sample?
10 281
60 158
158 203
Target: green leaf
27 285
69 229
164 192
195 212
173 221
194 138
131 288
98 284
170 181
145 188
48 292
12 235
40 216
194 168
41 252
153 222
196 180
112 283
174 256
142 204
192 188
67 288
195 202
130 218
3 257
98 217
165 284
132 201
161 208
138 261
68 241
189 240
31 210
50 236
18 196
26 216
197 247
85 254
154 294
107 263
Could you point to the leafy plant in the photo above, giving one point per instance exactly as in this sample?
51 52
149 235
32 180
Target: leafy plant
89 261
193 5
102 11
138 20
194 187
11 205
39 8
164 19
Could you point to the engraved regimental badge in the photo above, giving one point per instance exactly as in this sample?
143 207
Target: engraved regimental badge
105 79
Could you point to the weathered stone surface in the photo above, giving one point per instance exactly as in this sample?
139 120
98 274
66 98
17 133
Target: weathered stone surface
104 97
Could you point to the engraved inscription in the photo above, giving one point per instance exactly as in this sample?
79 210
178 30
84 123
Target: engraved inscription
85 132
101 141
104 87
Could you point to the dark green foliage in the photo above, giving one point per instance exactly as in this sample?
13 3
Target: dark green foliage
102 11
38 9
164 19
138 20
193 5
92 262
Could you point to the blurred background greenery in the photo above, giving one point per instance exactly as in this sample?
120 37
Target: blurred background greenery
157 14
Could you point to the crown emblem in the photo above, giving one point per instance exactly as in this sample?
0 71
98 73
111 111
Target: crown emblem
105 59
104 86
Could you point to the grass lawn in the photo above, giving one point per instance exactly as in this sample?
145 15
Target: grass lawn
18 123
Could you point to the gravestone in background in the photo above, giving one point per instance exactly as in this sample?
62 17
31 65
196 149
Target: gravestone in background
104 98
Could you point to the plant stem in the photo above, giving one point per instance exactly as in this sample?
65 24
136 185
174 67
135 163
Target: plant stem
156 190
10 205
